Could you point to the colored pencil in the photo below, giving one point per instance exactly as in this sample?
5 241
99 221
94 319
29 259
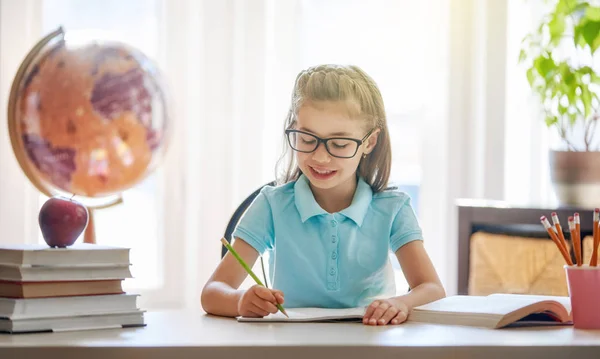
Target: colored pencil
551 232
594 259
559 231
577 243
574 240
250 272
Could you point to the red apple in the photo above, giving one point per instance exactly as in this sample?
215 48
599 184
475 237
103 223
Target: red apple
62 220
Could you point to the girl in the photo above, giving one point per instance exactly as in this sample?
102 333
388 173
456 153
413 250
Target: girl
331 223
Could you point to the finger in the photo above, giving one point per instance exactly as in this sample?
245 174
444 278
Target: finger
250 310
265 294
378 313
389 314
369 312
278 296
264 305
399 318
250 314
258 310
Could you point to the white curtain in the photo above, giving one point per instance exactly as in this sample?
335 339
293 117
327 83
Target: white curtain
19 30
219 58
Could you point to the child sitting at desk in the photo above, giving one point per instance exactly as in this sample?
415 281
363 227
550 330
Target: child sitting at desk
330 223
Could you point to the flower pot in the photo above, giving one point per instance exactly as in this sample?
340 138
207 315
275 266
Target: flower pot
576 178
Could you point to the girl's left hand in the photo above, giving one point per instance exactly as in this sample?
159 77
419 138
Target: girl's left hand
382 312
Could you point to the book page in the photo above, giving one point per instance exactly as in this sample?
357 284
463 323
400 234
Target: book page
46 248
492 304
562 300
310 315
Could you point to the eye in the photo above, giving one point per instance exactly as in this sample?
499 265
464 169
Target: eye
307 139
340 144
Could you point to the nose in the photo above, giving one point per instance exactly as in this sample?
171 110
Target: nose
320 154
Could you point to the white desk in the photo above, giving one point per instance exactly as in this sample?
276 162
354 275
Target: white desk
182 335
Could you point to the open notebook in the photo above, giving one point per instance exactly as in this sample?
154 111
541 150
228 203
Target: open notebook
492 311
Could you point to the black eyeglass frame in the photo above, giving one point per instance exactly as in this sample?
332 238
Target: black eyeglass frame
326 140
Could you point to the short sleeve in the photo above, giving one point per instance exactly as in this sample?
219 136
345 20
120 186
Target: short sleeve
405 227
256 225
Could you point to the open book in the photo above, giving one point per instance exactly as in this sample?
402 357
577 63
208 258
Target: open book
492 311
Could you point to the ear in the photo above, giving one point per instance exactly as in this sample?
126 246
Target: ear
371 141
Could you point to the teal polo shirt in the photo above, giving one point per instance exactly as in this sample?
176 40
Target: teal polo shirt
329 260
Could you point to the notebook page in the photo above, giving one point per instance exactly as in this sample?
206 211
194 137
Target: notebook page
310 314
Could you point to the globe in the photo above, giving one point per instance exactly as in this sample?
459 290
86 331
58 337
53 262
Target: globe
87 116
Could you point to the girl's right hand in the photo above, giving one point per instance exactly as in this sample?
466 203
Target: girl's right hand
259 301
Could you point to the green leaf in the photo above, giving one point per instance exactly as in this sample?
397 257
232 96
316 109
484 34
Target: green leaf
522 55
586 70
581 8
586 98
569 79
556 27
530 76
591 33
593 13
571 94
566 6
545 66
562 109
578 38
551 121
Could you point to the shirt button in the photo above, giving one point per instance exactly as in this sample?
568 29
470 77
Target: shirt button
333 255
333 239
332 271
333 223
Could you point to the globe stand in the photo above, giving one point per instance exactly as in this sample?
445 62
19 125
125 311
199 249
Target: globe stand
89 236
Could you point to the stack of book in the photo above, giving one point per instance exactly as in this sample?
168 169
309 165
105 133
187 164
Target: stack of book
45 289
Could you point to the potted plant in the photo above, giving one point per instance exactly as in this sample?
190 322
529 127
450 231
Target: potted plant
563 69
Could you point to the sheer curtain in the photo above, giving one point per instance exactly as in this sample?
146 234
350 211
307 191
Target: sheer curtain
527 137
18 198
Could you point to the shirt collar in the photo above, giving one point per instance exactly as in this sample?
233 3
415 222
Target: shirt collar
360 203
308 206
305 200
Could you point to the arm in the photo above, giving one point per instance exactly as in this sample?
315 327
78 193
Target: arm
420 274
423 280
221 296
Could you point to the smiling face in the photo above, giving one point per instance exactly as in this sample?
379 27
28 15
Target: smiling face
325 120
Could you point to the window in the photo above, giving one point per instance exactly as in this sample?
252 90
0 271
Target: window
391 41
137 222
528 140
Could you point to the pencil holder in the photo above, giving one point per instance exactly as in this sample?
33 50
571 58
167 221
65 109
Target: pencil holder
584 291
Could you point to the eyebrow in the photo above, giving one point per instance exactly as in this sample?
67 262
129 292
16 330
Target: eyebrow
331 134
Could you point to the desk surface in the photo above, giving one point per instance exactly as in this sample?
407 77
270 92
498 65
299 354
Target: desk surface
194 335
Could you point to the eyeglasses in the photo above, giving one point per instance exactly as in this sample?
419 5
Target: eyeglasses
340 147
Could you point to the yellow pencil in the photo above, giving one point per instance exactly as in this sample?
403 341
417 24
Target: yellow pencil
250 272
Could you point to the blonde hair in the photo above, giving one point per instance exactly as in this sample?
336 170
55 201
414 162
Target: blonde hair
353 86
